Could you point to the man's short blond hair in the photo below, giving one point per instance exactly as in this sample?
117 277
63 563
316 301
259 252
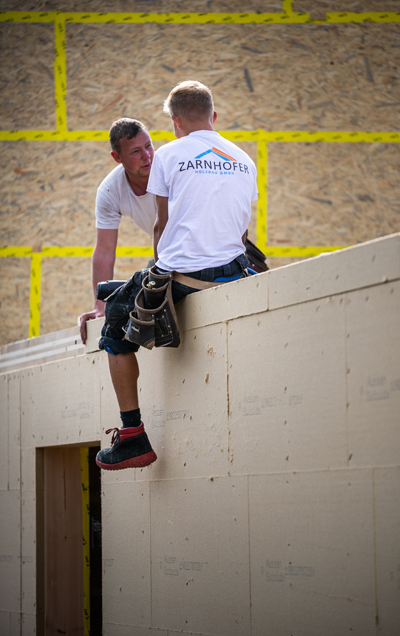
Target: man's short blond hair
191 100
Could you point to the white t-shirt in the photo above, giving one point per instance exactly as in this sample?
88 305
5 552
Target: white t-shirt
115 198
210 184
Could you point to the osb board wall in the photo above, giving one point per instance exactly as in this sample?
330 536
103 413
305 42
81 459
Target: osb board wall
318 9
273 77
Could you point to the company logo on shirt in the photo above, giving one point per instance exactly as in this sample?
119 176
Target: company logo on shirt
225 165
217 152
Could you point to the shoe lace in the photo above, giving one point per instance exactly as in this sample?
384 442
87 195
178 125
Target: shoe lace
115 434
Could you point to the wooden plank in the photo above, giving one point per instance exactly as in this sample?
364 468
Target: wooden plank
63 542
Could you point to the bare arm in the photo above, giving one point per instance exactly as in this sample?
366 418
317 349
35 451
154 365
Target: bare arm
103 260
161 222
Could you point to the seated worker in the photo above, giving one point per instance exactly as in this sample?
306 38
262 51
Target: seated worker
124 193
204 186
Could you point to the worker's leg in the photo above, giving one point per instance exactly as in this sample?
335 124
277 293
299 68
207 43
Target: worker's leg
130 446
124 370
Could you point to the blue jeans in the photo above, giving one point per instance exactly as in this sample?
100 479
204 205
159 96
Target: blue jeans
112 338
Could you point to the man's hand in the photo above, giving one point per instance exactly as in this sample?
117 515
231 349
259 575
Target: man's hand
90 315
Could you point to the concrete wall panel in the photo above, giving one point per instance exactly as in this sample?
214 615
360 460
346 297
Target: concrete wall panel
27 409
368 264
287 389
200 574
273 506
10 551
16 625
73 413
224 302
28 625
4 426
184 405
5 623
93 330
14 430
10 408
28 469
387 523
28 552
373 375
311 546
114 629
173 633
126 554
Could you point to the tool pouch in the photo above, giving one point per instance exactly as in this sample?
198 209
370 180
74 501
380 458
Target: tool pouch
122 301
153 322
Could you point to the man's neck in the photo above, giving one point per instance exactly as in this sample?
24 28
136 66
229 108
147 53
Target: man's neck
188 127
138 185
195 126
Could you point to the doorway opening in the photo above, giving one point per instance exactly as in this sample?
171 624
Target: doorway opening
68 523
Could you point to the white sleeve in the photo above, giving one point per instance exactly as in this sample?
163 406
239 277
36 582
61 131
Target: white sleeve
157 184
108 215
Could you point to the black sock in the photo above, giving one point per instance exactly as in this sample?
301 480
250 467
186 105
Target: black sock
130 418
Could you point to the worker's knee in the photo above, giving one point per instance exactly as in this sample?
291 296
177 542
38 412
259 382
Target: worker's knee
113 341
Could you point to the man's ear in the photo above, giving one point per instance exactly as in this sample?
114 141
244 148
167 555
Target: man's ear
177 120
215 116
116 156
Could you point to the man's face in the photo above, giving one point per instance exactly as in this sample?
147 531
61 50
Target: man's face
136 155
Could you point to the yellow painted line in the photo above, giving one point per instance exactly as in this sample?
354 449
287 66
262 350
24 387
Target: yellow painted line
84 452
15 251
54 135
102 135
31 135
241 135
68 251
346 17
139 252
162 135
299 251
27 16
287 6
72 135
86 135
135 252
299 136
187 18
34 302
330 136
262 203
60 74
72 251
288 16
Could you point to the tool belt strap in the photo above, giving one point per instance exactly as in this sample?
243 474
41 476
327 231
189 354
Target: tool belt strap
194 282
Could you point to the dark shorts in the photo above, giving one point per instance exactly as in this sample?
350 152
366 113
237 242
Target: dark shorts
112 338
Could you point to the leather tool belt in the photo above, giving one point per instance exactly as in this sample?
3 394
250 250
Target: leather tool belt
153 321
194 283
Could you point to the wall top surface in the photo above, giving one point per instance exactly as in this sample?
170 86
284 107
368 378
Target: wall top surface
373 263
